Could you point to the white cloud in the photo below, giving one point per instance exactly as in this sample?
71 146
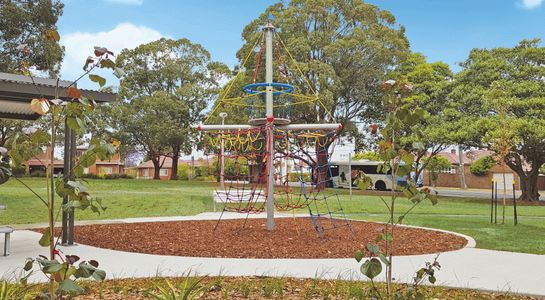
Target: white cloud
126 2
531 4
79 45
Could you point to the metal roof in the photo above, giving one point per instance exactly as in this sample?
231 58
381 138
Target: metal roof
17 91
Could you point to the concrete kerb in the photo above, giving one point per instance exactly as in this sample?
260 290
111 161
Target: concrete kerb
465 268
471 243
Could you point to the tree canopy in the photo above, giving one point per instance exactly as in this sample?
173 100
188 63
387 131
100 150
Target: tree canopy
505 86
25 41
342 48
168 84
366 155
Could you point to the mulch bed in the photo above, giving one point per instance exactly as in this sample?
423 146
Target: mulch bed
292 238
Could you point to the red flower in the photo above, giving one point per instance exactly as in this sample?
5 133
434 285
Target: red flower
407 87
374 128
387 84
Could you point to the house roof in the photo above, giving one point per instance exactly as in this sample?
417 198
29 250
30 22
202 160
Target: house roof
468 157
44 162
17 91
109 162
43 159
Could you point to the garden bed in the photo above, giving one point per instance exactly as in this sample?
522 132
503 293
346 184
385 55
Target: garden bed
252 288
292 238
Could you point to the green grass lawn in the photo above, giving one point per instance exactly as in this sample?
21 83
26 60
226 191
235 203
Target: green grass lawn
123 198
147 198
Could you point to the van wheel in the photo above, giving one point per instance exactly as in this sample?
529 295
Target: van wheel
380 185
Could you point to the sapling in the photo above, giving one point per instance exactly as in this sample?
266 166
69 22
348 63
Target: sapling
73 109
503 137
398 161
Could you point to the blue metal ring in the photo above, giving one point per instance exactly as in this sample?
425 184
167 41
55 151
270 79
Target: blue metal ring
252 88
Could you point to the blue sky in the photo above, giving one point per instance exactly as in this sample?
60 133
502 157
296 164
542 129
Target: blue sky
443 30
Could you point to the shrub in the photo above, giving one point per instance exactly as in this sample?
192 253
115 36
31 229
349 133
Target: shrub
434 165
206 178
482 165
183 171
18 171
117 176
90 176
295 176
202 171
38 174
132 172
366 155
106 176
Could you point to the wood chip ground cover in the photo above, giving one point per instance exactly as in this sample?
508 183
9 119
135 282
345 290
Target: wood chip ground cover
292 238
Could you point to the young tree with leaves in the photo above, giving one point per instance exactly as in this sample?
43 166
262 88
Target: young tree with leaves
431 84
71 109
397 161
503 137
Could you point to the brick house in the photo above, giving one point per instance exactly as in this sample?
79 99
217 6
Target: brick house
146 169
451 177
114 165
39 163
101 167
541 183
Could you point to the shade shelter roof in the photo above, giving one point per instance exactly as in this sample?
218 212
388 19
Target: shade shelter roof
16 94
17 91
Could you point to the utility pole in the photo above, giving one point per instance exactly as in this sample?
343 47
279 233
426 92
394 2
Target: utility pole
462 169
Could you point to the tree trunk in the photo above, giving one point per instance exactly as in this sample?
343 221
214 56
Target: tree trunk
322 158
174 170
528 186
528 179
461 167
156 168
419 167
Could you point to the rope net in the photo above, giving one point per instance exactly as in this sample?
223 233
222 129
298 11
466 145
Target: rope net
301 171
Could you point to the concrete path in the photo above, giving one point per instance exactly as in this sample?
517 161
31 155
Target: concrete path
478 193
465 268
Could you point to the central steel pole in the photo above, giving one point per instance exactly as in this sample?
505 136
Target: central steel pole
223 115
269 30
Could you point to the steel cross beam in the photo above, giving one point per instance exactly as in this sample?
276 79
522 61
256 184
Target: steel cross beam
294 127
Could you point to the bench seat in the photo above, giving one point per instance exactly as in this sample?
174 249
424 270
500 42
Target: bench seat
236 196
6 231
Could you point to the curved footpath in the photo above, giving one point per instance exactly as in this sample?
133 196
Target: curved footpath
464 268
